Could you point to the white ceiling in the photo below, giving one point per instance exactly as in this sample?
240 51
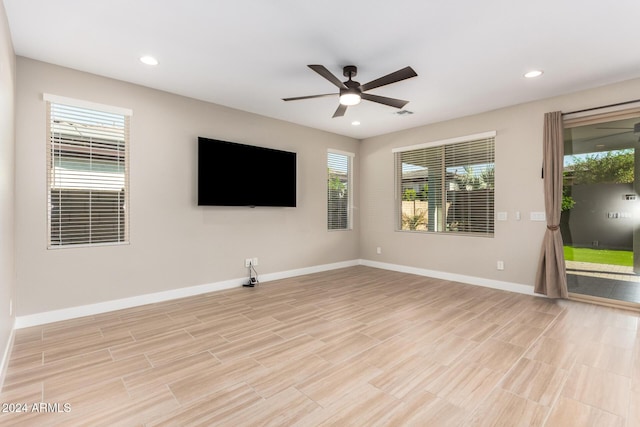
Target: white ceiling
248 54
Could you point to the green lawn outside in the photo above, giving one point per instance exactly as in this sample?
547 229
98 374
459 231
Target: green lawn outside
600 256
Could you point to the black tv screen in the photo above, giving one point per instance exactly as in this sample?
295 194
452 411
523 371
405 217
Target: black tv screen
232 174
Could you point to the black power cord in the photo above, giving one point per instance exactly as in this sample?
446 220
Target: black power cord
253 280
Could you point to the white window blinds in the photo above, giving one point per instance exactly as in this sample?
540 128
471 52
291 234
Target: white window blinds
447 186
339 190
88 175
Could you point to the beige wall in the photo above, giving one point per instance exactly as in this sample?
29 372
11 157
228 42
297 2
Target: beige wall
518 188
174 243
7 180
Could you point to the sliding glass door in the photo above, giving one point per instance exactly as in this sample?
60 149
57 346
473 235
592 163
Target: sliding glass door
600 209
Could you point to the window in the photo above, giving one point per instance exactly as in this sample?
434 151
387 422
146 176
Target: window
447 186
339 190
87 173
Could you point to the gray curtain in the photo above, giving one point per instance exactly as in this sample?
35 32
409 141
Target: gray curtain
551 278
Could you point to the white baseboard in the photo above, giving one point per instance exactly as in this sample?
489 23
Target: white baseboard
6 355
470 280
119 304
307 270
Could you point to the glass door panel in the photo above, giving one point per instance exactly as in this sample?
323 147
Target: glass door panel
600 210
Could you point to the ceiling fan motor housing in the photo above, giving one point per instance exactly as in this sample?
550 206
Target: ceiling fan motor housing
353 87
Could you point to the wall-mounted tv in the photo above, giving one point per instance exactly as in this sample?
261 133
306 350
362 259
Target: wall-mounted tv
232 174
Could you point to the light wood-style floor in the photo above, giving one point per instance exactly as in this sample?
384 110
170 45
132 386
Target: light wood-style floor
351 347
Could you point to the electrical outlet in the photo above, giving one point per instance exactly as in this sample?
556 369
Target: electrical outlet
378 250
255 261
500 265
247 262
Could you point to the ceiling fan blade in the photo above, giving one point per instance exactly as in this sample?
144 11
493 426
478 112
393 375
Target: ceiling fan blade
297 98
405 73
340 111
393 102
320 69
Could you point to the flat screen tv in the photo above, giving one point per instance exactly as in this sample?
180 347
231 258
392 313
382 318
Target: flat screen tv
232 174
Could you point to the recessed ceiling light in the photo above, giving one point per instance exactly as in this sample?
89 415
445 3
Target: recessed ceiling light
533 74
149 60
355 123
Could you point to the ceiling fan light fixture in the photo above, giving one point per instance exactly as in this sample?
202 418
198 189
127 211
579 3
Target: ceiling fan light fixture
350 97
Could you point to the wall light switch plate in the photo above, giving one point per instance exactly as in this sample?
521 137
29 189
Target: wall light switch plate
538 216
501 216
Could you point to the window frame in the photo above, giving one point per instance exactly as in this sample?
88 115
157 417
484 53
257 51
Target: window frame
349 205
52 101
440 227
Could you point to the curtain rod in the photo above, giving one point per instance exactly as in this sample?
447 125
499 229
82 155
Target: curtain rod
603 106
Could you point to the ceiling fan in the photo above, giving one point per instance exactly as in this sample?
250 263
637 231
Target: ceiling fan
352 92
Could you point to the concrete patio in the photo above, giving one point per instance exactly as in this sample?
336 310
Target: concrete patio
603 280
